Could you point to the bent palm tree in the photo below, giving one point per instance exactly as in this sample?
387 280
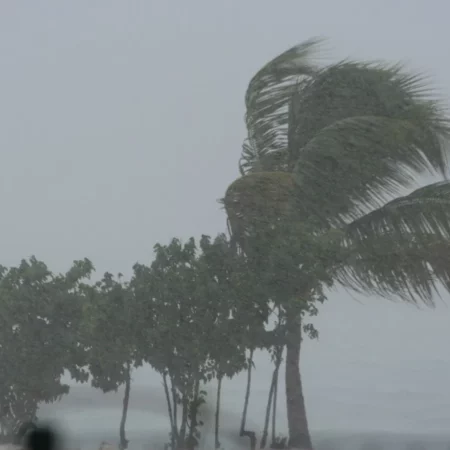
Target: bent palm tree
329 152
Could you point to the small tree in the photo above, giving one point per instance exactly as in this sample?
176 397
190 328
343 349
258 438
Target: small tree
227 342
176 316
110 339
39 335
197 325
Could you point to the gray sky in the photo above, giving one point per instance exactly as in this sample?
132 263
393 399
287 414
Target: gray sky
122 123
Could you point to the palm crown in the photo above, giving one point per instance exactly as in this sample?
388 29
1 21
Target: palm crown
340 146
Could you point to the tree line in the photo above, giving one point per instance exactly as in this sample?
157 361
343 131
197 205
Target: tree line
327 196
195 314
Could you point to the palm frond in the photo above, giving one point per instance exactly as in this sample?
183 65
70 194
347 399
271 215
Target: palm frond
267 98
401 249
424 211
261 160
363 132
410 269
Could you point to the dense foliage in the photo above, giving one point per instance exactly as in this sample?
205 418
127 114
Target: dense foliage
41 319
193 315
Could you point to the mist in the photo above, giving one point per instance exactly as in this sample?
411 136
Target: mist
122 124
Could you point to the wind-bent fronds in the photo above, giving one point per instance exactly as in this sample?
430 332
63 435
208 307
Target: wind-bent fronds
402 248
254 160
424 211
357 163
268 95
362 133
348 138
409 268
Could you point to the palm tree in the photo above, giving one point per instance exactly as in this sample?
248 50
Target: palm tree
331 154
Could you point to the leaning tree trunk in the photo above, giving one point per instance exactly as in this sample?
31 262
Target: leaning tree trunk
299 436
126 401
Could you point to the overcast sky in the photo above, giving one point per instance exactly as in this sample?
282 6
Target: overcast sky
121 126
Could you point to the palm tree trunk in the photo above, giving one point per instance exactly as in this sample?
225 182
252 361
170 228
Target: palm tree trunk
299 436
126 401
216 428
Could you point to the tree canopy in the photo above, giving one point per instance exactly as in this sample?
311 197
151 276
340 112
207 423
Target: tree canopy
41 315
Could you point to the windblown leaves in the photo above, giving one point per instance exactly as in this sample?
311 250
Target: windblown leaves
362 133
267 99
411 269
401 249
357 164
426 211
354 136
258 200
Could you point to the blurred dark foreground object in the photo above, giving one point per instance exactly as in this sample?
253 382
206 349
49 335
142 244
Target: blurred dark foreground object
29 436
41 438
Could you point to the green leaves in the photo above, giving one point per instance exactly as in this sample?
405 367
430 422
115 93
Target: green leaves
40 317
410 268
356 136
352 133
267 100
356 164
186 297
424 211
400 249
362 132
198 315
109 332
